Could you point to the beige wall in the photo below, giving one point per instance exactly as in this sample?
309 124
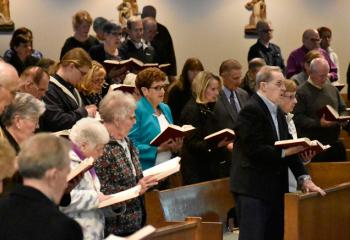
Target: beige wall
211 30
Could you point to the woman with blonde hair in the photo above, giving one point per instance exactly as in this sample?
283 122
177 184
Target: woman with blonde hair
199 162
90 88
64 105
81 22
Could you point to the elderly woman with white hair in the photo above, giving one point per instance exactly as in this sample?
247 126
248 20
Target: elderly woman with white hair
88 137
119 167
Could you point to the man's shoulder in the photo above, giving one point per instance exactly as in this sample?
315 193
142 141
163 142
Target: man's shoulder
275 47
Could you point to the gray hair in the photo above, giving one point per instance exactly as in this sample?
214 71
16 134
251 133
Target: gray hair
265 74
317 63
25 106
90 131
43 152
116 105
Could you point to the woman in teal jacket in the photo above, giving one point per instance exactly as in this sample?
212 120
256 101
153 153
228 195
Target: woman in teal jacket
152 117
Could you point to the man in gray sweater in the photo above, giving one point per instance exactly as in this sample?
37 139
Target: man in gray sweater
312 96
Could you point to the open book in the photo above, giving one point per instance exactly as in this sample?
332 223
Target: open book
123 88
171 132
140 234
164 169
218 136
121 196
132 64
81 168
313 145
332 115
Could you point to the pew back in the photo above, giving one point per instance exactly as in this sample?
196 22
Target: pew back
313 217
327 174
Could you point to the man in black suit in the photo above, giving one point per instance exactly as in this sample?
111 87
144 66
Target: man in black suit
230 101
259 173
30 212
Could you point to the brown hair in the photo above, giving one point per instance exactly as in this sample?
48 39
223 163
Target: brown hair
229 65
18 39
323 30
290 85
7 160
36 73
80 17
310 55
146 77
78 56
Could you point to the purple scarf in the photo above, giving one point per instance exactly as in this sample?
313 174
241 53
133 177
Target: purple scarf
82 157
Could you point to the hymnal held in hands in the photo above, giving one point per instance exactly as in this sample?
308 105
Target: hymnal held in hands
81 168
121 196
164 169
171 132
339 86
131 64
139 235
123 88
313 145
218 136
332 115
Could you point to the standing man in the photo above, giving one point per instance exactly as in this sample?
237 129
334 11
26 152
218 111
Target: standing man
134 46
263 48
311 41
259 172
230 101
31 210
316 93
162 43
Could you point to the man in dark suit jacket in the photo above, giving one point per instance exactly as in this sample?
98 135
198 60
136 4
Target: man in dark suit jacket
30 212
259 176
230 101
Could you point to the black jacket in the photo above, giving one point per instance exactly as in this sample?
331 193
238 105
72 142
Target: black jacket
27 214
258 170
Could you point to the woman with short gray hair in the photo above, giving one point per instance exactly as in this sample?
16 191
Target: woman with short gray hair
20 119
119 167
88 138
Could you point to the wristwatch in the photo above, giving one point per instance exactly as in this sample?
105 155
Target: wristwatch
303 178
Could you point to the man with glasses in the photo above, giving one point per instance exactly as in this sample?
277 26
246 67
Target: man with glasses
263 48
259 170
311 41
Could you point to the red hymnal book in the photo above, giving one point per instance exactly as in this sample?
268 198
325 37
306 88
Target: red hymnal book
332 115
171 132
218 136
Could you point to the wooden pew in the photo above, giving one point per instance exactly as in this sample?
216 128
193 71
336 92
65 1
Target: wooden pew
328 174
209 200
313 217
191 228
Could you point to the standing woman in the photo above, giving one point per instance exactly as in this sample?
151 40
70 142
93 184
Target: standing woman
198 157
64 105
180 91
108 50
81 39
119 167
88 137
90 88
152 117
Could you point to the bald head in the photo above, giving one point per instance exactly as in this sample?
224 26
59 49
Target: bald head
149 28
319 70
311 39
8 84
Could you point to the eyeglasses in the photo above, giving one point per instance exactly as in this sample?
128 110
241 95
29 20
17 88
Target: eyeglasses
315 39
83 73
158 88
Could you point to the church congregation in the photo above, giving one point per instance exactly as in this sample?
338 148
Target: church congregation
111 94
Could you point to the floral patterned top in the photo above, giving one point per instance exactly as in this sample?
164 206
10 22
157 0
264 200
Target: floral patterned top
115 173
